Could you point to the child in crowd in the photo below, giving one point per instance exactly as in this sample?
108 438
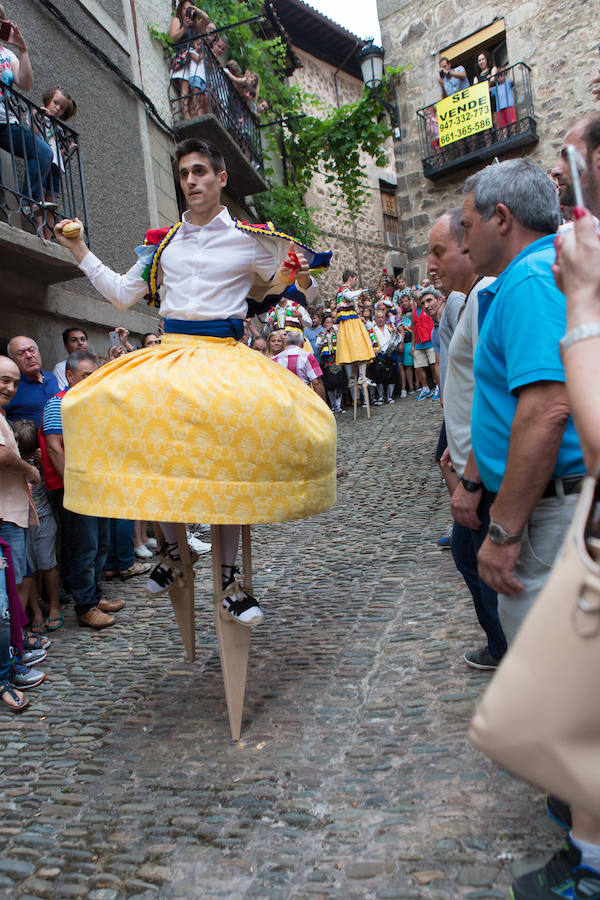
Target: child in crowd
197 97
58 105
40 540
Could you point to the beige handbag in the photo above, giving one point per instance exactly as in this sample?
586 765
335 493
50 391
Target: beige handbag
540 716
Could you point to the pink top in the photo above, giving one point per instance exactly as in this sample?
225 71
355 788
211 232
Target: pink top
14 492
301 363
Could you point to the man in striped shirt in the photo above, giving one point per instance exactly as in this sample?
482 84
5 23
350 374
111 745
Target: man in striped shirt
301 363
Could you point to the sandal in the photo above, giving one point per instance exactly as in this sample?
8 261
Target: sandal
33 642
55 622
37 629
21 702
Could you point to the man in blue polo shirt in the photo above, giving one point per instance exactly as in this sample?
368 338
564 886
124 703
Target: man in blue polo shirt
35 387
524 441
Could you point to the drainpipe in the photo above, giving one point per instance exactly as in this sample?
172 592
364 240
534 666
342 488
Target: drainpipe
337 103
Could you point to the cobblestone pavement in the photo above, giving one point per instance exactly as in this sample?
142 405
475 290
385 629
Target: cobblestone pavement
354 777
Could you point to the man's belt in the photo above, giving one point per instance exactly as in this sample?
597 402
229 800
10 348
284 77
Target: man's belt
571 485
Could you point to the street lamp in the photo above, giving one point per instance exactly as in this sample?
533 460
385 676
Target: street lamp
370 59
371 65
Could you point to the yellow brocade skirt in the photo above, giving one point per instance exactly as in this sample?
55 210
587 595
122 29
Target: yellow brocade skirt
197 429
353 343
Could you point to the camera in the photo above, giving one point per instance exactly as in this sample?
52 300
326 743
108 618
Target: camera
192 14
442 73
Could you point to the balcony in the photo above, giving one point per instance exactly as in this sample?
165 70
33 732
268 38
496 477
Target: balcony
213 109
34 193
511 127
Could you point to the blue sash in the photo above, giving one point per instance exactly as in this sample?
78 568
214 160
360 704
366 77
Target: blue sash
220 328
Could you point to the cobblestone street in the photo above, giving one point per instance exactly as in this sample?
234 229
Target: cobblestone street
353 778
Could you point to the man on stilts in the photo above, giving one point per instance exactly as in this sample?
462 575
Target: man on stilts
200 428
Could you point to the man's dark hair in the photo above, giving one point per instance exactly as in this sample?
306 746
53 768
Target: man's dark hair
591 135
455 228
347 273
75 358
444 59
68 331
194 145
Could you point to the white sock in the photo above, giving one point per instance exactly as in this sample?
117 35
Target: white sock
590 853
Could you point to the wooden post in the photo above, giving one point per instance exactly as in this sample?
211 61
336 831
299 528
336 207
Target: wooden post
366 391
233 638
355 388
182 596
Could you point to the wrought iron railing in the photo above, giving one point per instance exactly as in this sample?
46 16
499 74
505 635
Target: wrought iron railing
199 86
41 175
513 125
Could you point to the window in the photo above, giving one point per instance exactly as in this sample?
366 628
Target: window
491 38
389 207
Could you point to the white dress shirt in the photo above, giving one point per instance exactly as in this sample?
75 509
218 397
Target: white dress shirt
60 372
208 271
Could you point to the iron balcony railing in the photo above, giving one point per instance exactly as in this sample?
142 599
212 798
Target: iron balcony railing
41 175
199 87
512 125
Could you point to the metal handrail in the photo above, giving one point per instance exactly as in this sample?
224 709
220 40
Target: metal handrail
521 118
212 92
43 180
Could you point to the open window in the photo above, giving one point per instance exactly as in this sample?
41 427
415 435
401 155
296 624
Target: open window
465 52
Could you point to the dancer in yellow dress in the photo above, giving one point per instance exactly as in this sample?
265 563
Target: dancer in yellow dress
353 340
200 428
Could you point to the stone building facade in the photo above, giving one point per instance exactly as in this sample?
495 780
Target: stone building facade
554 40
362 242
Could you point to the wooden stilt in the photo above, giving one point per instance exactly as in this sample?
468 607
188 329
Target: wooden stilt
365 388
233 638
355 388
182 596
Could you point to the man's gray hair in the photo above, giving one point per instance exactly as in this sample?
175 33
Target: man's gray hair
455 227
78 356
430 292
523 187
8 347
294 337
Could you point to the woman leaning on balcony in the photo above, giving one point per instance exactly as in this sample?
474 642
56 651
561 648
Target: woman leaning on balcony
188 23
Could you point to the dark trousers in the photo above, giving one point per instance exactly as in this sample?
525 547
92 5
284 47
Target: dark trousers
86 554
120 545
63 521
37 155
465 545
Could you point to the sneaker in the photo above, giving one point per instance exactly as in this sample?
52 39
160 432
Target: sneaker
390 400
24 678
436 394
152 544
424 393
562 876
559 811
402 394
32 657
143 552
197 545
377 402
481 659
239 604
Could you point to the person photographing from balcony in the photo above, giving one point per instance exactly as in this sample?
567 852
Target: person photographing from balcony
15 71
58 104
451 79
239 440
188 23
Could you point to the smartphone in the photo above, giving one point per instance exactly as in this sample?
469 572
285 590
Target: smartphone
115 340
576 165
5 29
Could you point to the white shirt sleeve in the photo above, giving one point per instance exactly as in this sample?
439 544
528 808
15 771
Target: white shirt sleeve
122 290
310 293
60 372
351 295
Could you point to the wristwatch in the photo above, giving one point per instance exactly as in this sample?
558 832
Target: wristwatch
498 535
471 486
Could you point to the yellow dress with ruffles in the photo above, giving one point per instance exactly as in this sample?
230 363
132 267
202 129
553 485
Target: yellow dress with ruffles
197 429
353 341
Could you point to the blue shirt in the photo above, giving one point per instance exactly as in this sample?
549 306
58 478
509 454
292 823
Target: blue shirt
522 317
452 83
435 337
311 335
28 402
503 94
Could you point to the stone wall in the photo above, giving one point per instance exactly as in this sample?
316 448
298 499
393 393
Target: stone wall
361 243
555 40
